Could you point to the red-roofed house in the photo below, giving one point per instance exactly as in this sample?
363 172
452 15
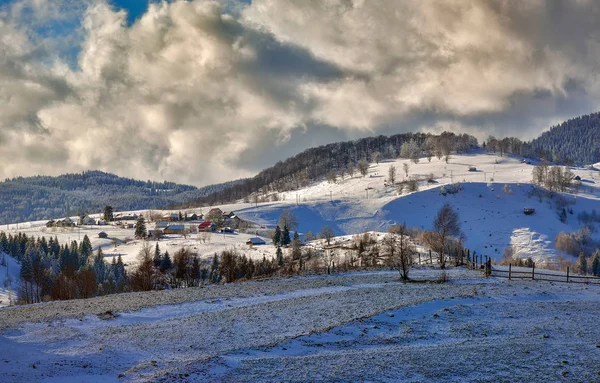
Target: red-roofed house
207 226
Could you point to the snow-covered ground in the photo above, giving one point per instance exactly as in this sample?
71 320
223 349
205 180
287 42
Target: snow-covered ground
349 327
491 215
9 279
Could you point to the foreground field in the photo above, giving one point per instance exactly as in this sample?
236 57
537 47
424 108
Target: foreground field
359 326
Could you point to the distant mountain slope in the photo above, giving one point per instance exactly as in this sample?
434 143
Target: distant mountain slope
314 163
574 141
44 197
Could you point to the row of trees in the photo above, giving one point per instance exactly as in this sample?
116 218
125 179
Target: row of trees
50 270
554 178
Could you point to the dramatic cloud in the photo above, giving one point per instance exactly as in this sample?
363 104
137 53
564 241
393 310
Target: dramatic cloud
207 91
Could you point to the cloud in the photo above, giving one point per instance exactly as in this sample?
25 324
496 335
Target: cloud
206 91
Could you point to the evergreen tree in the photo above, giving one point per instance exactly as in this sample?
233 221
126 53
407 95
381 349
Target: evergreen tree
100 267
214 270
85 250
279 256
166 264
108 213
140 228
277 236
4 245
596 264
285 236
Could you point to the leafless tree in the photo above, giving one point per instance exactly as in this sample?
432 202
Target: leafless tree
400 250
406 167
327 234
392 174
288 219
363 167
446 224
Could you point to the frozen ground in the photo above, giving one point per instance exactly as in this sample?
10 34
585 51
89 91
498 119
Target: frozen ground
350 327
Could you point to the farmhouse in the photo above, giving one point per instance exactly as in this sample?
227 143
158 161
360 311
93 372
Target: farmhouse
86 220
175 229
207 226
215 213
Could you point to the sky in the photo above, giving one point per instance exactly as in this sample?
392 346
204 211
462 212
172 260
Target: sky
205 91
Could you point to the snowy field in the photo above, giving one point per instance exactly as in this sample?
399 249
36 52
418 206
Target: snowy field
491 213
349 327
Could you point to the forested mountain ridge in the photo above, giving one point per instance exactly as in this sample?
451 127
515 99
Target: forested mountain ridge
341 158
45 197
575 141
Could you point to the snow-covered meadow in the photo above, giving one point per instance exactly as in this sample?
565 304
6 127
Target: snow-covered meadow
348 327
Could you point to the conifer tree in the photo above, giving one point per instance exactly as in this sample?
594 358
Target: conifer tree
277 236
157 256
214 270
279 256
596 264
140 228
285 236
166 264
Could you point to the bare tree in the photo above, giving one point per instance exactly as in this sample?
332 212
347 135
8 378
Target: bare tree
406 167
327 234
400 250
392 174
446 225
331 176
288 219
375 156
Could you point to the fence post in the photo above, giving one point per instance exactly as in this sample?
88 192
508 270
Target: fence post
533 272
430 258
567 274
509 270
419 259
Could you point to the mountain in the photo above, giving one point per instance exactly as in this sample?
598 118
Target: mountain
45 197
341 158
574 141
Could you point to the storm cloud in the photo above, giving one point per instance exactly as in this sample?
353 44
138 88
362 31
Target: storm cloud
207 91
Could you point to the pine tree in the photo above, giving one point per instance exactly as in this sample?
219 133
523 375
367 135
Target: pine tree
279 256
285 236
100 267
85 250
108 213
140 228
596 264
165 263
277 236
214 270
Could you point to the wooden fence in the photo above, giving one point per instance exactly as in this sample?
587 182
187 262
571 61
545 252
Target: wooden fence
543 276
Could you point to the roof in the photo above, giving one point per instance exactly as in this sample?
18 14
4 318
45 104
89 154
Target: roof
175 227
205 225
162 224
256 241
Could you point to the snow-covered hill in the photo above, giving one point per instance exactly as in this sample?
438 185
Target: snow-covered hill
490 205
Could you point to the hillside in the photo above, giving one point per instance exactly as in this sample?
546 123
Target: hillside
44 197
574 141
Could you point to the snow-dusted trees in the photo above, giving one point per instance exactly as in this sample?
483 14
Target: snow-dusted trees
392 174
555 178
288 219
406 168
363 167
399 249
595 269
445 225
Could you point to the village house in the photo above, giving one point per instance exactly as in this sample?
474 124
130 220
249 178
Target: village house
207 226
86 220
175 229
215 213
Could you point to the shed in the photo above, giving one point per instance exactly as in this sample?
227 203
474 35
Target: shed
472 169
577 178
102 234
256 241
528 211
